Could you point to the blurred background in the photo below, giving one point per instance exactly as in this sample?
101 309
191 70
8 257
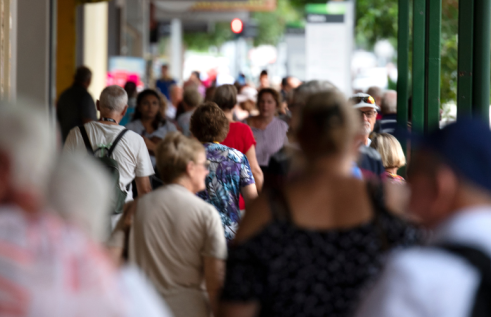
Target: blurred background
43 41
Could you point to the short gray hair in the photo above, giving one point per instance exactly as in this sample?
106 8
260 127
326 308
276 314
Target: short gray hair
113 98
308 89
389 102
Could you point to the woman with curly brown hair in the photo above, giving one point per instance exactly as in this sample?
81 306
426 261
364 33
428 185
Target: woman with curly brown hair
230 173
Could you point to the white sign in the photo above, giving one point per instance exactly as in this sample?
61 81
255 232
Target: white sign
329 44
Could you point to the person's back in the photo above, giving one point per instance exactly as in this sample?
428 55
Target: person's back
130 153
75 105
318 240
179 225
451 196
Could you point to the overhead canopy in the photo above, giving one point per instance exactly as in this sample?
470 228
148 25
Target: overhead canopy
218 5
90 1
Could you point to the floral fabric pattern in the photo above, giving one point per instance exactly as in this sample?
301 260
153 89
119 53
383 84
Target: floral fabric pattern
229 172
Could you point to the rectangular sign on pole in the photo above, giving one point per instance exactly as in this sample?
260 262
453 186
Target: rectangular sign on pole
329 43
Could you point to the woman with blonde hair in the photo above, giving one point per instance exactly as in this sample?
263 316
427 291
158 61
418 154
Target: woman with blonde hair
392 155
310 247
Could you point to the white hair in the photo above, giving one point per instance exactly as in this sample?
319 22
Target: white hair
113 98
29 142
80 191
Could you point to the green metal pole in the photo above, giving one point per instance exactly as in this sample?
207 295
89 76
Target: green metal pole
465 58
481 80
419 40
433 64
402 66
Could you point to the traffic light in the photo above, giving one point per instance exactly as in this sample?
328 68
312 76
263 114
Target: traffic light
244 29
237 26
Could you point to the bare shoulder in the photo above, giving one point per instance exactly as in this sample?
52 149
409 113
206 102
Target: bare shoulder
257 216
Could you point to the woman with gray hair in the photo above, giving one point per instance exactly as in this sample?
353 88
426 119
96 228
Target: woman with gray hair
176 238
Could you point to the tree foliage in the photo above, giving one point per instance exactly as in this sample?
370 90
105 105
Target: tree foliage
375 20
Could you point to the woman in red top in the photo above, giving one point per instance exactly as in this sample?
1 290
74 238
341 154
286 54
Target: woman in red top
240 135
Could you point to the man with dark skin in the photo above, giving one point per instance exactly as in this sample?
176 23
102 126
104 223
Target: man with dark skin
75 105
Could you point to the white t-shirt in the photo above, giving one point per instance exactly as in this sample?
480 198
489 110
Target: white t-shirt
130 153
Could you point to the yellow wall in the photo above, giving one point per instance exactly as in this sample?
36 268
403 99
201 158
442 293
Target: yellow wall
66 45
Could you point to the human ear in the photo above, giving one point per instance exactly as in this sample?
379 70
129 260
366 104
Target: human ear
446 183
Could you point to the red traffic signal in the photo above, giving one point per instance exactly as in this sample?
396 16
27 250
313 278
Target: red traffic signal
237 26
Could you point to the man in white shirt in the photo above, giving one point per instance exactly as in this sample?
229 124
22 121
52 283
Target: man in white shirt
130 153
450 179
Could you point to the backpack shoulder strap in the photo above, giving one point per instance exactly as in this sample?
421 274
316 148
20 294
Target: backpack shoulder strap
116 141
85 137
482 262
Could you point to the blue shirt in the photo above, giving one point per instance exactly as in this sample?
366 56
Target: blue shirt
164 85
229 172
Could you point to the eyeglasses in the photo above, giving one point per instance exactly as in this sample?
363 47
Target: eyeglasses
366 99
206 164
369 114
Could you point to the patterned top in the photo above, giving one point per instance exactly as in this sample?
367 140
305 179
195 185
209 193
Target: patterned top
270 140
292 271
394 178
229 172
49 268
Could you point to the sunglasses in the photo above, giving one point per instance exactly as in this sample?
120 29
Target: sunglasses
367 99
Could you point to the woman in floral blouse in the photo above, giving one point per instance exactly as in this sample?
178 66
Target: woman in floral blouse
230 173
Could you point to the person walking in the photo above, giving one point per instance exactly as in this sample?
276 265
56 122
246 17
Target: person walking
450 180
309 248
149 122
130 153
75 105
269 131
240 136
164 83
369 159
230 173
390 151
176 238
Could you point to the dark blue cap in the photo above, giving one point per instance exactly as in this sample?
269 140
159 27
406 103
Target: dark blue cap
466 147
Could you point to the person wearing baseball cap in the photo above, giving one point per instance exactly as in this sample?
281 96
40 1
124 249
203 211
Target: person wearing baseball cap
450 180
370 161
368 111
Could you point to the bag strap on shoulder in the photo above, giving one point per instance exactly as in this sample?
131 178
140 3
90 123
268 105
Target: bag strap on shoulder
481 262
85 137
116 141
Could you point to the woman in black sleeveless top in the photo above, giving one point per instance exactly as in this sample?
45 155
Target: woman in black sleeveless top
310 248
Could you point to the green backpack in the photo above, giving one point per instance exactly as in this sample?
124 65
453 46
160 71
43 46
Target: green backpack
111 165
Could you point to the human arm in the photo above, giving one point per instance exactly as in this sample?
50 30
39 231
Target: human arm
238 309
214 270
143 185
116 244
151 144
249 193
255 169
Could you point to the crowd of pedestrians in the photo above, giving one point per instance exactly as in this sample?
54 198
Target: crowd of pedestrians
235 201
